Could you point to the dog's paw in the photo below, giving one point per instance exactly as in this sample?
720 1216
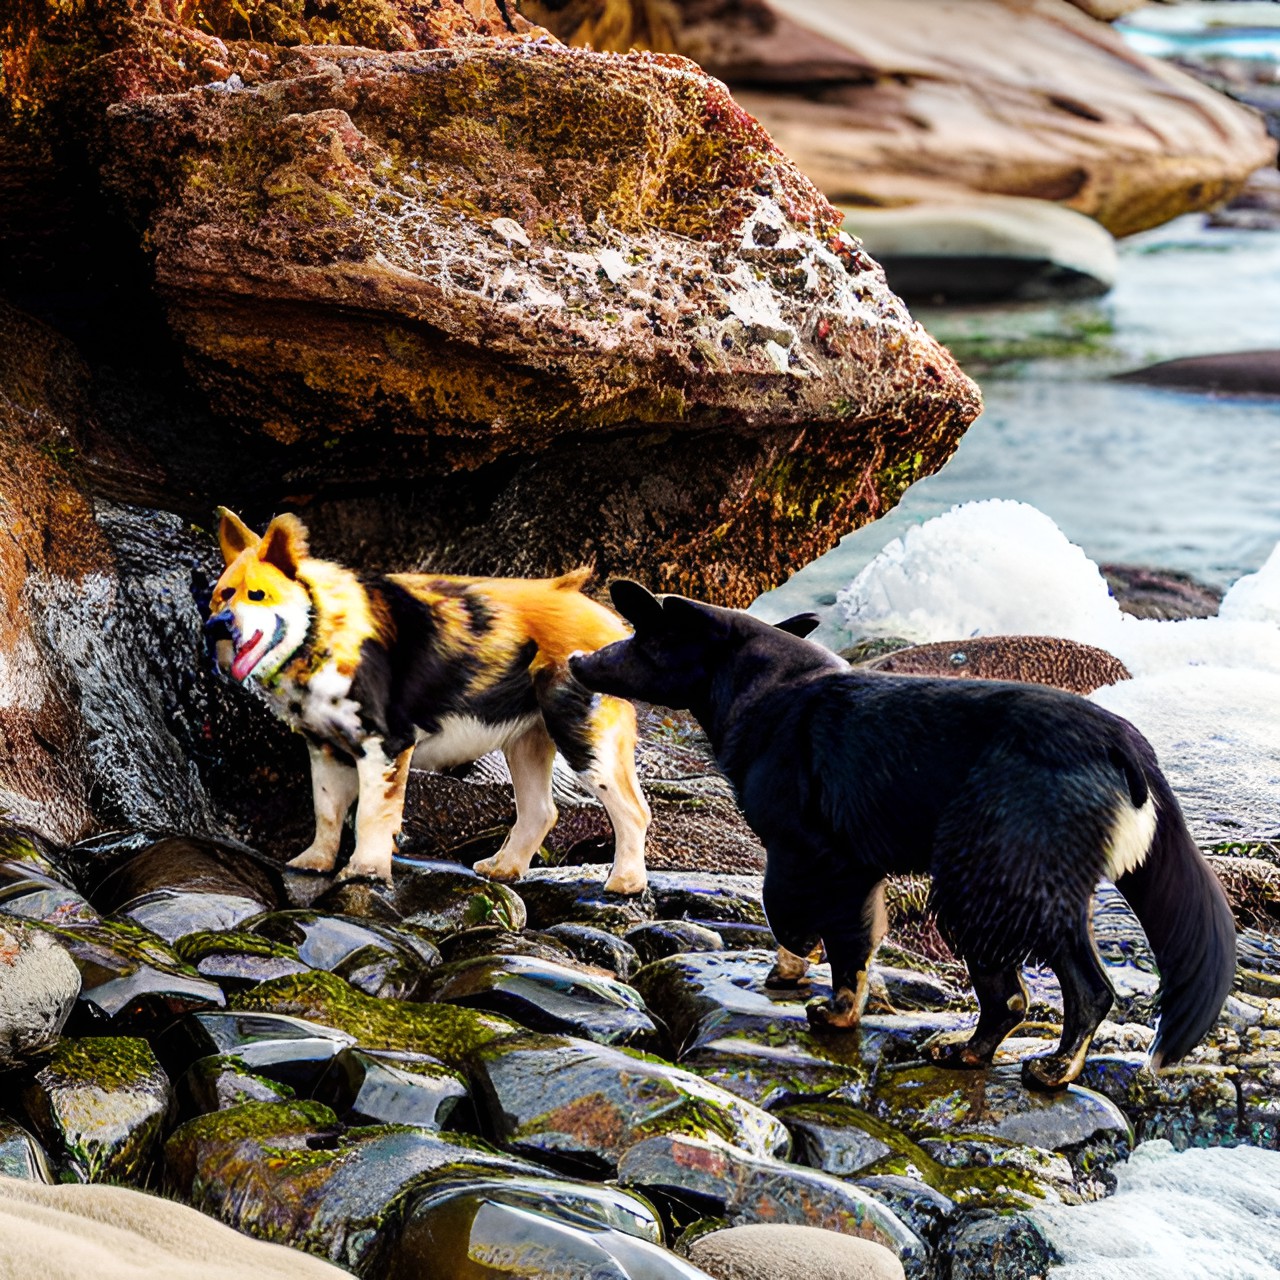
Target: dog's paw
496 868
628 883
838 1014
1049 1073
311 860
958 1056
779 980
364 871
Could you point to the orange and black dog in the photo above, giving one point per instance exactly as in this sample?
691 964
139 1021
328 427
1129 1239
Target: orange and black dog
381 672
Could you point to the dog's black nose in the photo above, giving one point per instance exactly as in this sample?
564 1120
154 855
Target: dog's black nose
220 626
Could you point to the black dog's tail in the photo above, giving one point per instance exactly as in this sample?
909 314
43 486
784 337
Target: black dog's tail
1184 912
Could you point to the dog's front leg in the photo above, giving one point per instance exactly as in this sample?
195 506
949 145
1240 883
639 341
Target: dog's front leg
333 790
380 813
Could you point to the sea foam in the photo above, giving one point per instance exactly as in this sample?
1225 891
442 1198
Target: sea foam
1203 1214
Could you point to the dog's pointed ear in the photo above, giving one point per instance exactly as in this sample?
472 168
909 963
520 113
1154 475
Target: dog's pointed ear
692 616
801 624
637 604
284 545
234 535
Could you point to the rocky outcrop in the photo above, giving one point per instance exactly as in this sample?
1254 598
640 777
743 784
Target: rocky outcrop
882 102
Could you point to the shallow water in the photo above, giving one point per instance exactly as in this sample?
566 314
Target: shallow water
1132 474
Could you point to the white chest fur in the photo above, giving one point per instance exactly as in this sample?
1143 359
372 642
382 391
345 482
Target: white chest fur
461 739
321 707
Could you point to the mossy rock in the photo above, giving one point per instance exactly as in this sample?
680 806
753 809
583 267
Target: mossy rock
235 958
289 1173
442 1031
580 1105
440 898
100 1105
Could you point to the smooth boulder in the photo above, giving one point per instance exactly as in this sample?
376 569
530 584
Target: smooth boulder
767 1251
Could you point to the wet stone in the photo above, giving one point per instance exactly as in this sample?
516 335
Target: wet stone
30 893
130 979
491 940
545 996
660 938
361 899
242 1034
498 1232
39 983
442 897
835 1136
100 1105
708 899
21 1155
178 886
236 959
920 1207
289 1173
580 1105
442 1031
741 937
222 1081
933 1102
730 1027
1010 1246
377 959
746 1189
364 1087
576 895
1190 1104
597 947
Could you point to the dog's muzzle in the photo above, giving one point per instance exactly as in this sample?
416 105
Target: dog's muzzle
220 639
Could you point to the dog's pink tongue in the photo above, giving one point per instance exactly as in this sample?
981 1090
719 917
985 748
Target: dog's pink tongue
246 656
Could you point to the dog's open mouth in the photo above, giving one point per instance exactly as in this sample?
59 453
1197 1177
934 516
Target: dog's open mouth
248 655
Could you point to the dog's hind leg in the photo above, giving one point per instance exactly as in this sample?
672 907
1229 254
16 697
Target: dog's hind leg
1002 1006
1087 997
530 758
851 939
334 784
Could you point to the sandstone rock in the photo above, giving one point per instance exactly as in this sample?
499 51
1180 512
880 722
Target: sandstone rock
1160 593
766 1251
100 1106
728 320
1066 664
896 103
114 1233
986 249
39 983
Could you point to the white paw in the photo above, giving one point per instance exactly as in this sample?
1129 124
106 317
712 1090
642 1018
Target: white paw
497 868
627 882
364 871
312 860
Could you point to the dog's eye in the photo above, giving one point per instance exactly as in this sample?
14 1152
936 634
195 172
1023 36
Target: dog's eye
257 595
228 592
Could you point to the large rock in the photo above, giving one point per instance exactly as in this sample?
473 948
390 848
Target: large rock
400 264
113 1233
883 102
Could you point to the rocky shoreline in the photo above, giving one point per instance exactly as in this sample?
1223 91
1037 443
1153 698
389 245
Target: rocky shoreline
366 1073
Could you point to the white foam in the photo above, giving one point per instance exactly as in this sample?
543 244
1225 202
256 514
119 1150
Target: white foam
1203 1214
1205 691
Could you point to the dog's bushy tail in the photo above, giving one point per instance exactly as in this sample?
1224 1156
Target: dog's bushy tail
1184 912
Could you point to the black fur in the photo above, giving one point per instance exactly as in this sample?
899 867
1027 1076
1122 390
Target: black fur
417 681
1006 794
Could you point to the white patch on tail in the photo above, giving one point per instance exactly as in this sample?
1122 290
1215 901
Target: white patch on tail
1131 837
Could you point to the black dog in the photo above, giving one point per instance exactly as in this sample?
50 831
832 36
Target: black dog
1015 798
